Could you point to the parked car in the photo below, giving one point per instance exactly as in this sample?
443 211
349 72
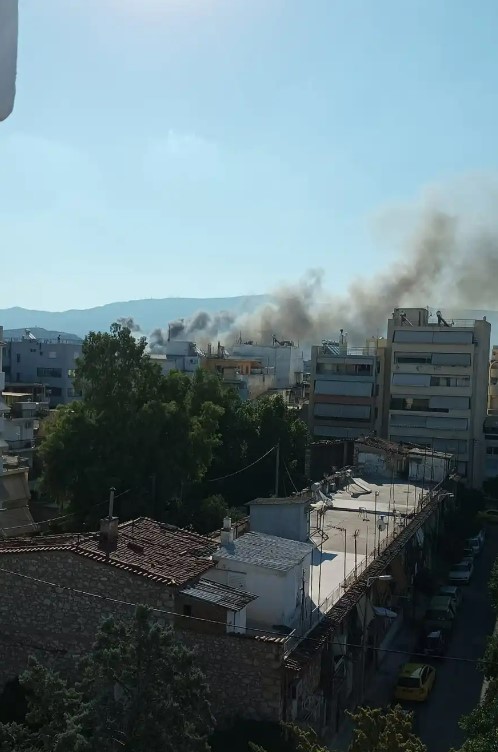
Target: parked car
468 555
461 573
432 643
441 613
453 591
415 682
474 544
489 515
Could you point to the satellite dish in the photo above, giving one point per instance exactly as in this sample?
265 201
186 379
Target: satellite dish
9 13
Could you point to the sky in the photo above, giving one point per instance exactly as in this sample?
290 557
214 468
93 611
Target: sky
207 148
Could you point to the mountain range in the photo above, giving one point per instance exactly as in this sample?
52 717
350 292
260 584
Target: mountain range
147 313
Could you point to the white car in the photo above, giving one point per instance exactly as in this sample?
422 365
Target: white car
474 545
461 573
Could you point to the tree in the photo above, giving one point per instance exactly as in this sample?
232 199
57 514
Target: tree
140 691
384 730
134 429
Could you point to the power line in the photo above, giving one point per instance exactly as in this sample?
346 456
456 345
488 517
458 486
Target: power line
230 475
290 476
61 517
264 632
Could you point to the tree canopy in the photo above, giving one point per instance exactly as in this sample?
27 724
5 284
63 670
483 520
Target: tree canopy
139 691
162 440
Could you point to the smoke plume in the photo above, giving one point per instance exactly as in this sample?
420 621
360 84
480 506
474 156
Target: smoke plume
444 256
128 323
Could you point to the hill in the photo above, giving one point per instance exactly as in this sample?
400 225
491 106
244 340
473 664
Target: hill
148 313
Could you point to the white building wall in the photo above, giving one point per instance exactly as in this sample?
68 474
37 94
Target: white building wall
448 367
287 361
279 593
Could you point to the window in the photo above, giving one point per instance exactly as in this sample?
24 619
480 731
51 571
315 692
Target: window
18 358
346 369
435 359
74 392
52 354
446 336
6 370
492 450
461 381
27 425
54 373
187 610
407 357
430 404
55 391
71 372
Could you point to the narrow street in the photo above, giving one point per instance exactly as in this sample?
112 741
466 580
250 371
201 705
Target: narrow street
458 684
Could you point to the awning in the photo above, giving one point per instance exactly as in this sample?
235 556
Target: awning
386 612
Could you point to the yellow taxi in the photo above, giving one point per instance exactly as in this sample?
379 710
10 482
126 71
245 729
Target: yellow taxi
415 681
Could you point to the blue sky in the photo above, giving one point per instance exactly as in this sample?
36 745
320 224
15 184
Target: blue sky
221 147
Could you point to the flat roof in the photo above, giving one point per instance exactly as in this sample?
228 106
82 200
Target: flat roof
277 500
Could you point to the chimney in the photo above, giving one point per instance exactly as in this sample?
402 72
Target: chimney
226 532
108 538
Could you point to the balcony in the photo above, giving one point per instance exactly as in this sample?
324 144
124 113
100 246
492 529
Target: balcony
21 444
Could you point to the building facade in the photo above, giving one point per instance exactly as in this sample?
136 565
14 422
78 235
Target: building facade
346 389
285 359
438 386
49 362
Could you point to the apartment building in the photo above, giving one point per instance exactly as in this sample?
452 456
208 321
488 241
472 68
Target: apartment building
347 389
50 362
438 386
493 382
284 358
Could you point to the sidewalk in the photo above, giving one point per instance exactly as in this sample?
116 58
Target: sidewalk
380 685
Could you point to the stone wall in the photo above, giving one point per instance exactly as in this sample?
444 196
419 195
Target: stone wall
54 623
58 625
245 675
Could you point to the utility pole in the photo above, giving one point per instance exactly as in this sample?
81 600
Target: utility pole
277 467
355 536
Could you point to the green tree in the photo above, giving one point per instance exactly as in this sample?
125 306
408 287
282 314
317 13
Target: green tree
384 730
140 691
134 429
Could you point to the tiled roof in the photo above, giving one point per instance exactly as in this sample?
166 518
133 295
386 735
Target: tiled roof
221 595
265 551
159 552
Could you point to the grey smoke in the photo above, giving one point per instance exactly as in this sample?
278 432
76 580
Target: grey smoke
128 323
448 259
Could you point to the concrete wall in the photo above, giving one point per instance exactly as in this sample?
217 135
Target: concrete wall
283 520
278 592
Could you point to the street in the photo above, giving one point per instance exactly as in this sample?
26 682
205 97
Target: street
458 684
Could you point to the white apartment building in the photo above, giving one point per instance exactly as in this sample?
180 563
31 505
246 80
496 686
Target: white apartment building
438 386
346 389
285 359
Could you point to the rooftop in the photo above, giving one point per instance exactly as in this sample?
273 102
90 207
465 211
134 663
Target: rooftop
278 500
267 551
221 595
148 548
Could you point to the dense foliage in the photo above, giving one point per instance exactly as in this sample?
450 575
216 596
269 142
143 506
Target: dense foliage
139 691
162 440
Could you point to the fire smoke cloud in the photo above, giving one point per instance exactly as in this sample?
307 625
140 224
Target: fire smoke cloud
445 256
